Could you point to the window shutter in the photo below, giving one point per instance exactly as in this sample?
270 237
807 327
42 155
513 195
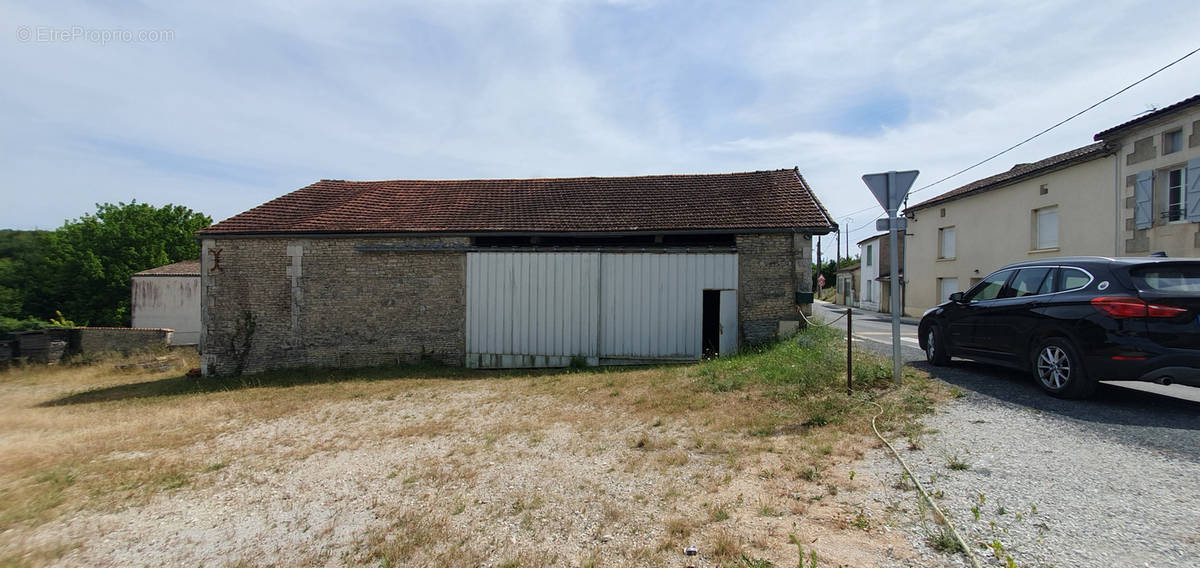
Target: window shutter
1143 209
1192 183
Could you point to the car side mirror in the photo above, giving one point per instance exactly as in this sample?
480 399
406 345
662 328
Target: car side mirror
956 297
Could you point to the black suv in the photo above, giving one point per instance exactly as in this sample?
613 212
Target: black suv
1073 321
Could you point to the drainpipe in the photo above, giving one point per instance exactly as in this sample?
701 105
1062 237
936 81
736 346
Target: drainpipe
1117 204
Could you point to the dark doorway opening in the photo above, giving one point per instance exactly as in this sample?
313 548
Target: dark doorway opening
711 334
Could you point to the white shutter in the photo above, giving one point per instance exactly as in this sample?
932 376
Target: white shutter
948 286
948 242
1047 228
1143 209
1192 185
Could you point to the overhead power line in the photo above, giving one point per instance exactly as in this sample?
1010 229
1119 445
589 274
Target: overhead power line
1027 140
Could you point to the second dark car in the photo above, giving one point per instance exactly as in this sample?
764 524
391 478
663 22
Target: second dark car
1074 321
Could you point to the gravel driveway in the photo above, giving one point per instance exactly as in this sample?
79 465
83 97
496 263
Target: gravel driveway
1110 481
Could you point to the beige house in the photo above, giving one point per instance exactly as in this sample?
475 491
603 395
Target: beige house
1158 180
1063 205
1136 191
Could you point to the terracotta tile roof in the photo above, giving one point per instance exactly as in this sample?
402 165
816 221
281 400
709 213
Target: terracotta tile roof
762 201
1147 117
1018 173
182 268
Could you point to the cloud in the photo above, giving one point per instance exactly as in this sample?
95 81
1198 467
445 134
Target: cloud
242 105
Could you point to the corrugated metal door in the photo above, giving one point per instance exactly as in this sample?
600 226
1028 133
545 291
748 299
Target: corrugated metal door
652 304
541 309
531 309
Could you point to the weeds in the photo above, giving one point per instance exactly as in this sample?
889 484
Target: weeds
812 554
956 464
944 542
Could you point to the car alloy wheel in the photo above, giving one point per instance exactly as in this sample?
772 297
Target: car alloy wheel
1060 371
1054 367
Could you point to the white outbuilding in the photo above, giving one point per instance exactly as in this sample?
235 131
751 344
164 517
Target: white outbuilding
169 297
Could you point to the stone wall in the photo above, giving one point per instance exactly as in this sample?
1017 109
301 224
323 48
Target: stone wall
42 346
124 340
768 268
272 303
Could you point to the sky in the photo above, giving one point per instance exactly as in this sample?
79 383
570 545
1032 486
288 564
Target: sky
224 106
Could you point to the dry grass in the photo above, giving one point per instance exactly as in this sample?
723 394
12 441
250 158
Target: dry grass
434 466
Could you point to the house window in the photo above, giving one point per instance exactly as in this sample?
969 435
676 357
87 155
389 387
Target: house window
1045 228
1173 141
946 242
1175 207
946 286
869 255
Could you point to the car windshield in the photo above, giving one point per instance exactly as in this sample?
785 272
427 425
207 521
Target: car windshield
1168 278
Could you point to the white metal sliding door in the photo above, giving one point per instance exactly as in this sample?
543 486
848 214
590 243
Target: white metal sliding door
536 309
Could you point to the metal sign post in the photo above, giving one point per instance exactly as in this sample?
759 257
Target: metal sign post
890 189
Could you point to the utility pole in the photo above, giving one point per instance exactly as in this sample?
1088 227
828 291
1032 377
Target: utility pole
848 221
838 247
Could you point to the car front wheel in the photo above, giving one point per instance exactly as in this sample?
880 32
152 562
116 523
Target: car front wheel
1059 370
935 347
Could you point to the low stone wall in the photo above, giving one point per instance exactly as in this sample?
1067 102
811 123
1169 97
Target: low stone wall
124 340
42 346
52 345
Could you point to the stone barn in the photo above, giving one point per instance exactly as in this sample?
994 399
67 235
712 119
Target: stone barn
509 273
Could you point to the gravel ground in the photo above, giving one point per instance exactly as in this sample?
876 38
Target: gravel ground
467 474
1051 490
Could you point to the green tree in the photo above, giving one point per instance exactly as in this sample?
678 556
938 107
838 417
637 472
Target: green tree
21 270
90 260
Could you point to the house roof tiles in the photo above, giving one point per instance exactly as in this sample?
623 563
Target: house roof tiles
1018 173
755 201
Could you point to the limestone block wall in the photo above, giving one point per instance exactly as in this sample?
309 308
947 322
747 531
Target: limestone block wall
272 302
769 266
120 339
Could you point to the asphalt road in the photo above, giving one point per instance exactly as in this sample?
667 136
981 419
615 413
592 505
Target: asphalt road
1161 419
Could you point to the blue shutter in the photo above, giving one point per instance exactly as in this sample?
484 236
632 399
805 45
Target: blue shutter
1143 209
1192 185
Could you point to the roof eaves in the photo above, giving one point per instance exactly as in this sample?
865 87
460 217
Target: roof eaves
816 230
1093 151
833 226
1148 117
